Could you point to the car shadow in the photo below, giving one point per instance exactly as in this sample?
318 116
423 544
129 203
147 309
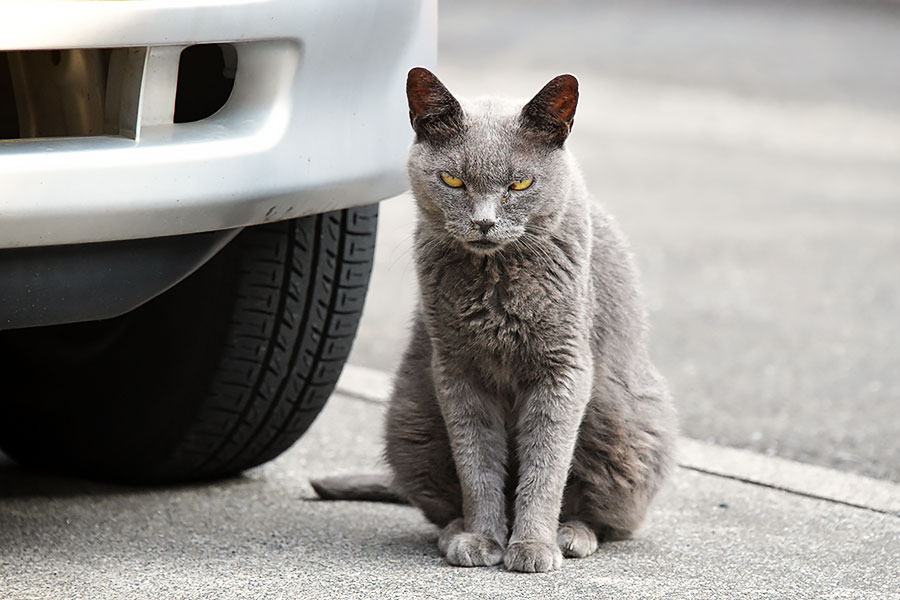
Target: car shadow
102 520
19 482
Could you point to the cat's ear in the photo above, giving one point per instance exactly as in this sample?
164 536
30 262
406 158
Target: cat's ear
433 111
551 113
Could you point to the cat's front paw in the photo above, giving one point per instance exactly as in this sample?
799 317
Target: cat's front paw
532 556
473 550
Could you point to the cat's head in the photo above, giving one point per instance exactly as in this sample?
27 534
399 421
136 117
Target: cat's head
486 172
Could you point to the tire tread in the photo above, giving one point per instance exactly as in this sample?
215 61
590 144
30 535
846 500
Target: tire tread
299 311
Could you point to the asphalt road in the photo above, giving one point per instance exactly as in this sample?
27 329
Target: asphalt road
263 535
751 152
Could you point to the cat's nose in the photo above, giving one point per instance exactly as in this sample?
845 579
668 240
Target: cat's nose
483 225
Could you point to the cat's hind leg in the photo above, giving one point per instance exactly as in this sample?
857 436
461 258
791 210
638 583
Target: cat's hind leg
417 447
576 539
623 455
418 452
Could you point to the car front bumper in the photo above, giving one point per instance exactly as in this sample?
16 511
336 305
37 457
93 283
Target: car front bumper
316 121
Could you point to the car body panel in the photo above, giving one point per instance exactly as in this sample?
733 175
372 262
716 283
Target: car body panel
316 121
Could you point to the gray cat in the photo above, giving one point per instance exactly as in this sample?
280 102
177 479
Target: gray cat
526 420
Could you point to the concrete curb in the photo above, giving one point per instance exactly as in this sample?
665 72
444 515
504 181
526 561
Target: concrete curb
790 476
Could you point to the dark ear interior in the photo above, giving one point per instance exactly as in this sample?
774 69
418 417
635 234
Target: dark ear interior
551 113
433 111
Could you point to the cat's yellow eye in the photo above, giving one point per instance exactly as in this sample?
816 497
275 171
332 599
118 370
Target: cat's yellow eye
521 184
451 180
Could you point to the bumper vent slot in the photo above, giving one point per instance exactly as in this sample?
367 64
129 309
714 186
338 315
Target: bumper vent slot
97 91
69 93
205 80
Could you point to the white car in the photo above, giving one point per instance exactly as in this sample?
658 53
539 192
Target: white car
187 221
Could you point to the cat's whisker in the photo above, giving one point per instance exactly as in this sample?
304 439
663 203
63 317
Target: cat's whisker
535 245
406 253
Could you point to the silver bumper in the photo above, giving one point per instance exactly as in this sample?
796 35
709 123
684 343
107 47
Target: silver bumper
317 119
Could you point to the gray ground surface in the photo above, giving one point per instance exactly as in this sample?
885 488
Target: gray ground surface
261 536
751 152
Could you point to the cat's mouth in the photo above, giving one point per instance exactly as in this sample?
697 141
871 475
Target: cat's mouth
483 245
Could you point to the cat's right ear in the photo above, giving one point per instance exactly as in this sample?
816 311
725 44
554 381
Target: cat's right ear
433 111
550 114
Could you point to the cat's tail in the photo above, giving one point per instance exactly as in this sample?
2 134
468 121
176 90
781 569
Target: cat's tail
371 488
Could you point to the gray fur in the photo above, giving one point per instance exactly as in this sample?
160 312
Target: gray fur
373 488
526 397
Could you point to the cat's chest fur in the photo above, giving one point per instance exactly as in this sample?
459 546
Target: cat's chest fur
503 311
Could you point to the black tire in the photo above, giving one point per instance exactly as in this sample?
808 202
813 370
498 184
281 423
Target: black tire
221 373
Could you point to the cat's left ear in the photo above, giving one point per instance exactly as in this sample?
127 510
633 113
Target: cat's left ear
551 113
434 113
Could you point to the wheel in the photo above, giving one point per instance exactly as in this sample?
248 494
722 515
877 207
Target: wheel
221 373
